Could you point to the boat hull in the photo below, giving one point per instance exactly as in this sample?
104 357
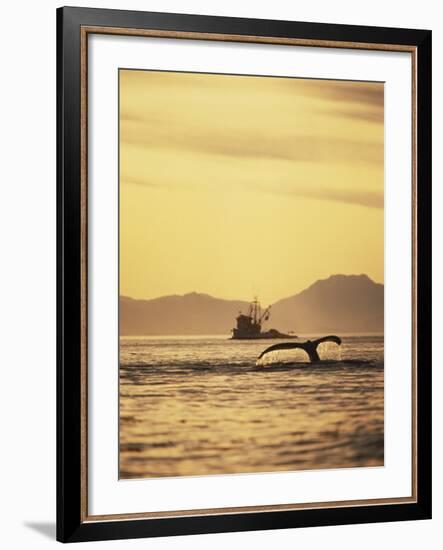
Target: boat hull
263 336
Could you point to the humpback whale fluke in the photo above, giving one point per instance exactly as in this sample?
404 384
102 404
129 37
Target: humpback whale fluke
310 346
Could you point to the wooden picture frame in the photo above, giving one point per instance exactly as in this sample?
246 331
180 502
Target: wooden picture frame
74 522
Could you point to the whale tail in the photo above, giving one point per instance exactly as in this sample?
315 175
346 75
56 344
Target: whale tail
310 347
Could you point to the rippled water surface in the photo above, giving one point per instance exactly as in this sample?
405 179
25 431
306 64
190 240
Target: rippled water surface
201 405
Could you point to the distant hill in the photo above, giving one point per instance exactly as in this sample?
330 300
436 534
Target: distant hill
341 303
188 314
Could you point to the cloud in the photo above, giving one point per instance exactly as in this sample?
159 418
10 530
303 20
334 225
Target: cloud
362 92
370 199
370 94
292 147
299 120
134 180
361 197
358 100
368 115
265 134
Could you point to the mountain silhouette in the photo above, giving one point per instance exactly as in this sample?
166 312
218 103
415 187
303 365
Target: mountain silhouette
340 303
191 313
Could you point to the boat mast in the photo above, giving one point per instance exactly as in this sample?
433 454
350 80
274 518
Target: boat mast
256 313
256 310
265 315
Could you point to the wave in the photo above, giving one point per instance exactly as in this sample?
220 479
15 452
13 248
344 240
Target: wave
243 367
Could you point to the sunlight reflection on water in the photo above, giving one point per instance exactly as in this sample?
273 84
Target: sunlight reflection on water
200 405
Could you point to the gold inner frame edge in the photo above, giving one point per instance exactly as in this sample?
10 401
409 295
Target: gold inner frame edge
84 32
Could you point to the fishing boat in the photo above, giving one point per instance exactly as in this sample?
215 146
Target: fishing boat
249 326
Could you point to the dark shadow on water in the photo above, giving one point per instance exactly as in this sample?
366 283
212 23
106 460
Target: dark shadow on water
46 529
325 365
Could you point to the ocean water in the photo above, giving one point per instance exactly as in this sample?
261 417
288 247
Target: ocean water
202 405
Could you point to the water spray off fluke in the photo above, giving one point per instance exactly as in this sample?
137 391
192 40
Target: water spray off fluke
272 358
330 351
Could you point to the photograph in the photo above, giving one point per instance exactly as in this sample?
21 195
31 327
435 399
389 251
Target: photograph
251 274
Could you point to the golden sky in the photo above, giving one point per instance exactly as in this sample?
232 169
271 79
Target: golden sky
238 186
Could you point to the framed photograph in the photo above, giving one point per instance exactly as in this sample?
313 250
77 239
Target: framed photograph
244 274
